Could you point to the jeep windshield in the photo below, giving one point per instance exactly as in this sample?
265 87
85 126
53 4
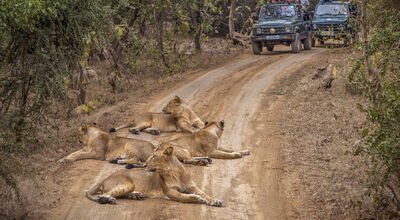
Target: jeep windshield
331 10
277 11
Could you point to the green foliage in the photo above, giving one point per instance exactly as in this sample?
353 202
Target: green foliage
381 137
42 42
41 45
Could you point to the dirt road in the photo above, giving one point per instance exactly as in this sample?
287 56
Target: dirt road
251 187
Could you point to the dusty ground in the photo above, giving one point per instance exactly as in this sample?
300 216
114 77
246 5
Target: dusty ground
296 169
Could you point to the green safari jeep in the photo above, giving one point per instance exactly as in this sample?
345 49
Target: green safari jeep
283 24
333 20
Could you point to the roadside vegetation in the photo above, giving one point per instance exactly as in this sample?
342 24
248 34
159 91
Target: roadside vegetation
376 74
61 59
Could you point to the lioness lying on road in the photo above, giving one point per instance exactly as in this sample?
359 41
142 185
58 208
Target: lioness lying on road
102 146
168 177
203 143
177 116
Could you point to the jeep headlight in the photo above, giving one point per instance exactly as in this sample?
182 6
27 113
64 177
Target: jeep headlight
315 26
287 29
258 31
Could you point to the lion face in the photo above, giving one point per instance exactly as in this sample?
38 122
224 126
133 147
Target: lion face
173 106
83 133
215 127
159 159
83 138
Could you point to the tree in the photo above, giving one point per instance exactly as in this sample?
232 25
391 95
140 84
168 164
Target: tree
377 74
42 43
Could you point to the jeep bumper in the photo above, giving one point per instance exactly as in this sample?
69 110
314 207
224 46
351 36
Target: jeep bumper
273 38
338 35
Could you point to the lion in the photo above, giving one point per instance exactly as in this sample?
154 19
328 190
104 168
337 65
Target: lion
177 115
166 176
203 144
102 146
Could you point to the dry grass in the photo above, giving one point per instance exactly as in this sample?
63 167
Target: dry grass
321 128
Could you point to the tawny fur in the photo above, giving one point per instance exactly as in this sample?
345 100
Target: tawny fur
168 177
176 116
102 146
203 144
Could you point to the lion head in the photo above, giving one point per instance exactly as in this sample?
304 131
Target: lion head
83 136
173 106
215 127
159 160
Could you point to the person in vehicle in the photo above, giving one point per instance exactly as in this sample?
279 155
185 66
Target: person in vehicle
305 5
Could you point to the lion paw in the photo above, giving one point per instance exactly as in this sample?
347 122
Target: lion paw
245 152
114 161
107 199
155 132
217 203
238 154
203 162
63 160
135 196
134 130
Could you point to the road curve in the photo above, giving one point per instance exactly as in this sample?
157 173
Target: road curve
250 187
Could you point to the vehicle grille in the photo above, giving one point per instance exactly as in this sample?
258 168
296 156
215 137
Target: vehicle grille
329 27
278 30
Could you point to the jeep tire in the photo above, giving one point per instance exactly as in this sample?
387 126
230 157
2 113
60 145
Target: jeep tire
296 44
270 47
257 48
308 41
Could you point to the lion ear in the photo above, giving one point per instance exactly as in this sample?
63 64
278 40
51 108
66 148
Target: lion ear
177 99
222 123
169 151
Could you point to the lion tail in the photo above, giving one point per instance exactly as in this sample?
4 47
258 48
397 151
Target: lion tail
92 191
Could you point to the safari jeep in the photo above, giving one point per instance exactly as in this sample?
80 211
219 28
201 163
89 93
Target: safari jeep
283 24
332 21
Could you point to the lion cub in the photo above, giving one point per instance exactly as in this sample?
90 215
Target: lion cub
165 176
203 144
102 146
177 116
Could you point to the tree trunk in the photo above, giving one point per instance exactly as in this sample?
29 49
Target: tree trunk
196 26
231 22
242 39
116 52
81 86
159 20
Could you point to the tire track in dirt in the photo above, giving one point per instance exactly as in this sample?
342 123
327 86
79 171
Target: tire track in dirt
233 93
242 105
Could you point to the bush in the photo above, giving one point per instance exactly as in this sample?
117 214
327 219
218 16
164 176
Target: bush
381 136
41 45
